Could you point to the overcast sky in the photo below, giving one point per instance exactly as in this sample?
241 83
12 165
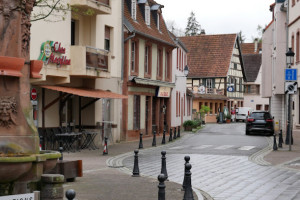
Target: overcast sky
220 16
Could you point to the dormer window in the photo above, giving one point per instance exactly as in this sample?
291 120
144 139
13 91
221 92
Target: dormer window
147 15
133 9
158 17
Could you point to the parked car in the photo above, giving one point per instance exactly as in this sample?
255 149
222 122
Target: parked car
242 113
260 122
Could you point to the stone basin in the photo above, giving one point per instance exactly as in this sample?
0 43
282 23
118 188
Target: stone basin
13 167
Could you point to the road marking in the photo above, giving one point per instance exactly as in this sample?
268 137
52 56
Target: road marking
224 147
179 147
247 148
203 147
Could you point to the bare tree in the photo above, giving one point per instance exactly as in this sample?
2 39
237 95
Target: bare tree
193 27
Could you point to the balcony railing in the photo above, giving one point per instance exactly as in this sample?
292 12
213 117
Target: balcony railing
96 58
96 6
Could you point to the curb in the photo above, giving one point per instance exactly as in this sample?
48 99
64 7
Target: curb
258 157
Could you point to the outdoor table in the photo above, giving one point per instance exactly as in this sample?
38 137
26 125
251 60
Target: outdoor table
88 140
67 140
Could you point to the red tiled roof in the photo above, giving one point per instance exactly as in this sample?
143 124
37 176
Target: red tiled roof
141 27
86 92
249 48
209 55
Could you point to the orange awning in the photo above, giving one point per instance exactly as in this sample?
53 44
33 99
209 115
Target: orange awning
86 92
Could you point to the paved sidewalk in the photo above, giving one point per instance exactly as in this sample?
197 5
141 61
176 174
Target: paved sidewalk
285 158
100 182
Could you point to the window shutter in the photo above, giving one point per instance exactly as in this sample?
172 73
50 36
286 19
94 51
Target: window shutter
213 83
107 32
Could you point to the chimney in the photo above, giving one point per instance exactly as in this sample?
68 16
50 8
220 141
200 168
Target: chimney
255 45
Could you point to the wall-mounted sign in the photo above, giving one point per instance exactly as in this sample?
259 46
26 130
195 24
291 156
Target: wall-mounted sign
230 89
164 92
52 52
201 89
29 196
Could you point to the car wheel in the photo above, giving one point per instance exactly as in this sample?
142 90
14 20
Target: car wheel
247 132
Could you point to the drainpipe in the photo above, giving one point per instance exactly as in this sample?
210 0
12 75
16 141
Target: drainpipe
133 35
122 45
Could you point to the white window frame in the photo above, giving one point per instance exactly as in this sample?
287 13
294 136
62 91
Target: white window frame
133 9
146 59
209 83
133 44
147 14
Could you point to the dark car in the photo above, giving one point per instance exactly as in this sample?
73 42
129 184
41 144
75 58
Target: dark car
260 122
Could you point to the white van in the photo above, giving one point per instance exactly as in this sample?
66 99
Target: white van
242 113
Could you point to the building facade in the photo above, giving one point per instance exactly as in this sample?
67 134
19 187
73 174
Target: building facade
216 72
147 70
80 80
182 98
252 87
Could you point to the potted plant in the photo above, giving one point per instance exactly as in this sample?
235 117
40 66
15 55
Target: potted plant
228 118
188 125
204 110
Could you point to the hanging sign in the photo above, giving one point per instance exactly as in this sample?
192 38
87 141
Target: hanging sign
52 52
164 92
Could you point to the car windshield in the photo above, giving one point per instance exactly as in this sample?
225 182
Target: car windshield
260 115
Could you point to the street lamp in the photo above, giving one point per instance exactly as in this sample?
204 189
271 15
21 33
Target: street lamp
185 72
289 138
290 57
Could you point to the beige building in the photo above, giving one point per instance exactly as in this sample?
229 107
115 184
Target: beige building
80 78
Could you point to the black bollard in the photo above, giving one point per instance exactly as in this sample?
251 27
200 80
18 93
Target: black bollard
161 187
70 194
105 150
154 139
136 170
187 160
175 136
178 132
280 140
164 164
275 144
164 137
141 141
61 152
188 192
170 138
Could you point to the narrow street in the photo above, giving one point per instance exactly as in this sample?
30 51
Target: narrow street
221 165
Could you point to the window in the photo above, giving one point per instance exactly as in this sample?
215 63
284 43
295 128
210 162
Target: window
179 111
258 107
158 19
298 47
147 15
178 57
146 59
107 38
241 85
184 104
266 107
293 2
200 105
257 89
136 112
209 86
235 66
176 104
133 9
134 60
133 56
210 106
159 63
293 42
168 66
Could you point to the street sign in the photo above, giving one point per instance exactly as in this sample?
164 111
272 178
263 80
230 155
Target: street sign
33 94
201 89
290 87
290 74
230 89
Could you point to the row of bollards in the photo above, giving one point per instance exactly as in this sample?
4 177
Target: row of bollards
187 180
175 136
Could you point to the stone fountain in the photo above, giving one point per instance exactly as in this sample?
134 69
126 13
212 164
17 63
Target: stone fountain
21 162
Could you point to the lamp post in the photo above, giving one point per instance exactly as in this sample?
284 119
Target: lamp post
288 140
